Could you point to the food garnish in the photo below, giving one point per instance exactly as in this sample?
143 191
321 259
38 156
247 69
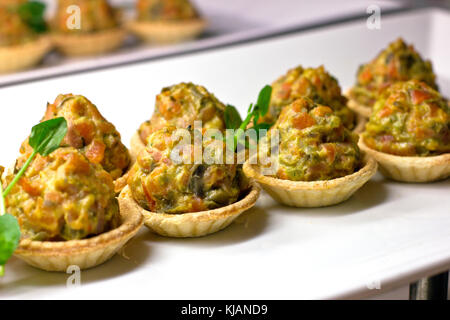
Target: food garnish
45 138
255 112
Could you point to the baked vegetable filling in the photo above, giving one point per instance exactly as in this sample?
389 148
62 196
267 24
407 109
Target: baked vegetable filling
182 104
314 143
398 62
314 83
410 119
161 184
63 196
165 10
89 132
13 30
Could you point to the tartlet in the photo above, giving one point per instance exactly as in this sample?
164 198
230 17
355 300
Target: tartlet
21 46
169 21
53 253
316 162
408 133
99 30
398 62
180 197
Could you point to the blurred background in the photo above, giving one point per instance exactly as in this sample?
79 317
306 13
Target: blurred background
228 22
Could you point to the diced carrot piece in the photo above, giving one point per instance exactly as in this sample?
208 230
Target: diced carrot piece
33 189
78 164
331 152
302 121
321 111
365 75
418 96
285 91
169 109
96 151
385 112
85 130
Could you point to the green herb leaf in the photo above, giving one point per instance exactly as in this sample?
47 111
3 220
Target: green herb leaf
232 117
264 100
9 237
254 113
32 13
47 136
263 126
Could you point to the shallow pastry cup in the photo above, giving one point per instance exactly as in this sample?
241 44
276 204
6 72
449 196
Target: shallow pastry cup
360 123
89 44
136 145
193 224
20 57
86 253
359 108
167 32
314 193
410 169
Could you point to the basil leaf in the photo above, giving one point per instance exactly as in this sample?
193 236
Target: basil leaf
46 136
232 117
9 237
32 13
264 100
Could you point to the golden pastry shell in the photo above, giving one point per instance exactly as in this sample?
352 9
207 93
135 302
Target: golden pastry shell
20 57
193 224
410 169
85 44
167 32
360 109
314 193
86 253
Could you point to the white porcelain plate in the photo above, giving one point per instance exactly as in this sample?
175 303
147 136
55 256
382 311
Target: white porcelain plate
387 235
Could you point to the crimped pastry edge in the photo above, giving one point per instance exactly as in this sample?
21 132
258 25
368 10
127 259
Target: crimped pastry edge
193 224
89 44
136 145
359 108
86 253
360 123
167 32
314 193
20 57
410 169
